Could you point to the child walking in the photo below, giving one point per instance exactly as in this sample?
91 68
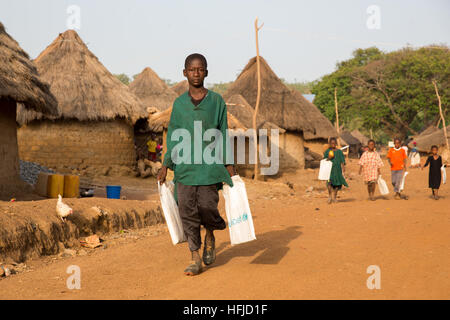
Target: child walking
370 164
337 179
197 181
397 159
434 175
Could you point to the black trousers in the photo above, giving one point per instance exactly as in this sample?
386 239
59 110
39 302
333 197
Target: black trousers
198 206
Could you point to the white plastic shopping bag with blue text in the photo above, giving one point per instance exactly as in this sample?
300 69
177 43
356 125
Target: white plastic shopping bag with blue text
240 222
170 210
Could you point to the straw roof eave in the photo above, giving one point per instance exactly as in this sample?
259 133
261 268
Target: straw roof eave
19 79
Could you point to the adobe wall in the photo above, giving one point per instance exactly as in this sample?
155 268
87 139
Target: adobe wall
92 148
9 159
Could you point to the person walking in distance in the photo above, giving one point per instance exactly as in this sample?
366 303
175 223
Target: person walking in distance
370 164
397 159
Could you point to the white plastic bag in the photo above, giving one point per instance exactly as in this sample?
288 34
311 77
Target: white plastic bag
415 159
382 186
444 174
171 214
402 185
325 169
240 222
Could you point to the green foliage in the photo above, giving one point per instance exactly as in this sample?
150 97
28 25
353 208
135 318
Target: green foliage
220 88
123 78
304 87
390 93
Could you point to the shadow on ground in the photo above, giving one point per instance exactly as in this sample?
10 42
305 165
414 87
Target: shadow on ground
272 246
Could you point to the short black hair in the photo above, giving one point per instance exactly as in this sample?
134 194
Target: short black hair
371 140
193 57
333 139
398 139
434 146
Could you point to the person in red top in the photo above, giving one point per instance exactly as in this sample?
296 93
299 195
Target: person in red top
397 159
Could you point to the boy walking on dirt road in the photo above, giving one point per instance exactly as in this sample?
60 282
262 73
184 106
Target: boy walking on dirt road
397 159
196 182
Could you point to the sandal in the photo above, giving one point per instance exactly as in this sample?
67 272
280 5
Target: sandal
193 269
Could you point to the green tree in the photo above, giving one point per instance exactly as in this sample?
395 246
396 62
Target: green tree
123 78
388 93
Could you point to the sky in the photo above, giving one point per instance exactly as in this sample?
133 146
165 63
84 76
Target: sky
301 40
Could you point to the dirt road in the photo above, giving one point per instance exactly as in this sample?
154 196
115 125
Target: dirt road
305 249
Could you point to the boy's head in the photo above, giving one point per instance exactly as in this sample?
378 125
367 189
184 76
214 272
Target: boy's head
434 149
333 143
195 69
397 143
371 144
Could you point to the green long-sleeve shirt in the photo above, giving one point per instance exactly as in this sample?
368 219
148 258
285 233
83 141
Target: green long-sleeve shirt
211 113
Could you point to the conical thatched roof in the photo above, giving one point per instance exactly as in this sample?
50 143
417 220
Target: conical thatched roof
160 120
239 107
152 91
84 88
349 138
322 127
362 138
19 80
181 87
426 140
279 104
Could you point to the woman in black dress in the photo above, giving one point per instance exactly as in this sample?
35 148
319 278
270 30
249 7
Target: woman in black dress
434 175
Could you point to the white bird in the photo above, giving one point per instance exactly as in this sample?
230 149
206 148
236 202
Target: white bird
62 209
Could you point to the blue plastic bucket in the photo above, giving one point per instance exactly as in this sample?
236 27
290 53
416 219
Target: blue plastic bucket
113 192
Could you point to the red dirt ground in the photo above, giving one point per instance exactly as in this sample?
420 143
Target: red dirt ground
305 249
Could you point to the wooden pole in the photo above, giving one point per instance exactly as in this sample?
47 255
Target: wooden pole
258 97
337 117
444 127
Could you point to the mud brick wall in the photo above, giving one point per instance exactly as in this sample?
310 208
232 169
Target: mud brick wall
291 154
75 145
9 160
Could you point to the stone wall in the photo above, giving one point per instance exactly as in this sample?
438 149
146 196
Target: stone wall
72 146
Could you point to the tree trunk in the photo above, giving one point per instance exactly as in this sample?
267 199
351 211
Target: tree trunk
442 114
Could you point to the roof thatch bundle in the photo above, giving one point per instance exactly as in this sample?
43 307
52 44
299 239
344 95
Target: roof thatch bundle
349 138
152 91
426 140
19 80
159 121
84 88
181 87
323 128
239 107
429 130
362 138
279 104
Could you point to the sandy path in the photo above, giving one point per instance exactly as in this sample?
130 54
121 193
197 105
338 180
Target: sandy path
300 253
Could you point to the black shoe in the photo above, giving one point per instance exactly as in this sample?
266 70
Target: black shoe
193 269
209 251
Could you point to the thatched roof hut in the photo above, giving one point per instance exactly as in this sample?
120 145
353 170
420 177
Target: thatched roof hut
239 107
93 132
19 80
152 91
279 104
19 84
428 138
84 88
181 87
